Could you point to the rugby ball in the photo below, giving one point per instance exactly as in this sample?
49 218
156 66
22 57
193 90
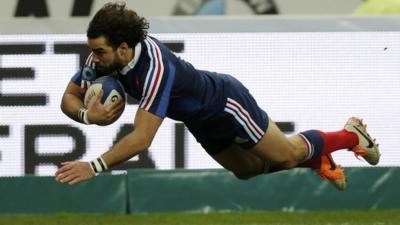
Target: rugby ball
112 90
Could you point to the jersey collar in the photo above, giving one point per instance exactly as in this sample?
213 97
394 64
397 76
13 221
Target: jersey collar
132 63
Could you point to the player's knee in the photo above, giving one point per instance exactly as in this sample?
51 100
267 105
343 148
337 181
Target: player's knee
243 176
288 159
288 164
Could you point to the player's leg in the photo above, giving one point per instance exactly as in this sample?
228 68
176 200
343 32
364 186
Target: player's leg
283 153
313 148
324 165
244 165
280 151
241 162
262 137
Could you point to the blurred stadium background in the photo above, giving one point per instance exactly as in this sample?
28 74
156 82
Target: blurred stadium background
309 63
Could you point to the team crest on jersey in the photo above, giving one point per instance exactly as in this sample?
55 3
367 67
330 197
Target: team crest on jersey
88 73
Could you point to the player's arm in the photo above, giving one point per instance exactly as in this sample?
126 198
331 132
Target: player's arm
95 113
146 126
72 101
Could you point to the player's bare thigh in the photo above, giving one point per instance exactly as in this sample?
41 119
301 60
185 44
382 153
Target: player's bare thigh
278 150
243 163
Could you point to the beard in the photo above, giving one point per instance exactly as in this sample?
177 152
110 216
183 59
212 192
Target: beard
102 70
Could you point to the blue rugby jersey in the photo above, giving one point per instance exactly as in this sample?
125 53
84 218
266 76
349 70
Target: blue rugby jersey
166 85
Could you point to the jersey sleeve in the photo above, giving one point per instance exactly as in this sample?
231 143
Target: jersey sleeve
158 82
77 78
86 74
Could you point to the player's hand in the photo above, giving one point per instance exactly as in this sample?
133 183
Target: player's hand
104 115
74 172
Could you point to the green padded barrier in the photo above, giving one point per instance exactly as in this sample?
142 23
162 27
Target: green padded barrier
106 193
200 190
300 189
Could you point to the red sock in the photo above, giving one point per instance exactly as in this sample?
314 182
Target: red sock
338 140
332 141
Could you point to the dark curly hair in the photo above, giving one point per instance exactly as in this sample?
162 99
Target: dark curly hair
118 24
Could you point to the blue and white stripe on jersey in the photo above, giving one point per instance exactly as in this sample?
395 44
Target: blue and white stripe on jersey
242 117
89 61
154 74
164 101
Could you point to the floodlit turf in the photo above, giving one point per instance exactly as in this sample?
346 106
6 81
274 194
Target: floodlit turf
380 217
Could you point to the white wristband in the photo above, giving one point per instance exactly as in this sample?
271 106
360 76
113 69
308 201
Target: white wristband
82 116
98 165
85 118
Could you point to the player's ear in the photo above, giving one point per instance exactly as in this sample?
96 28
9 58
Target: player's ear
123 48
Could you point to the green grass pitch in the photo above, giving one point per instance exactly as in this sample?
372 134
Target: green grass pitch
373 217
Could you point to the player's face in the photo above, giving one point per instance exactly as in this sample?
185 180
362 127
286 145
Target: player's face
104 56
